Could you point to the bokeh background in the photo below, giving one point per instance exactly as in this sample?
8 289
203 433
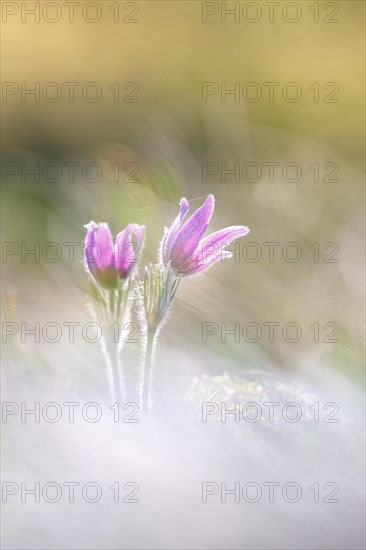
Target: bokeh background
166 136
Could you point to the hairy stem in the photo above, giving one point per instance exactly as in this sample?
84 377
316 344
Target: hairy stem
147 373
114 374
113 345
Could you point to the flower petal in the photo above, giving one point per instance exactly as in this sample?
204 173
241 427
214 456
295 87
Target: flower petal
190 234
98 247
104 243
170 233
201 266
212 249
217 241
89 251
124 250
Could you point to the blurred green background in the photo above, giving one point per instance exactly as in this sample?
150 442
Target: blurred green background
168 134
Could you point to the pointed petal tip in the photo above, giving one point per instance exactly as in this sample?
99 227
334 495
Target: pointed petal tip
237 231
184 207
90 225
209 202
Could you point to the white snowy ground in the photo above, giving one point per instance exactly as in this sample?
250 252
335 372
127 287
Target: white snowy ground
171 455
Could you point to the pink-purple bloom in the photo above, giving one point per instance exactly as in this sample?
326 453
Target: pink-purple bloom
183 246
110 262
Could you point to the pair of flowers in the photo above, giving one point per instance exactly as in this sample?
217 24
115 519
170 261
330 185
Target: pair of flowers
184 251
183 248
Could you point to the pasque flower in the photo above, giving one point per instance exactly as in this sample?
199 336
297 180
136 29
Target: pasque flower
183 246
111 265
110 262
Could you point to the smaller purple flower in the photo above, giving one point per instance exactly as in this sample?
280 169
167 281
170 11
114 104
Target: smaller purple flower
183 246
109 262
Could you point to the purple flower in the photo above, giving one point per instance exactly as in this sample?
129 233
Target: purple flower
185 249
109 262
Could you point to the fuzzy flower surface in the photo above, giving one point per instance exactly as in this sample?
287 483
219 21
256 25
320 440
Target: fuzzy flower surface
184 246
111 262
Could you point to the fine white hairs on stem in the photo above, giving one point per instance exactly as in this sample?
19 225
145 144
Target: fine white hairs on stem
159 287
